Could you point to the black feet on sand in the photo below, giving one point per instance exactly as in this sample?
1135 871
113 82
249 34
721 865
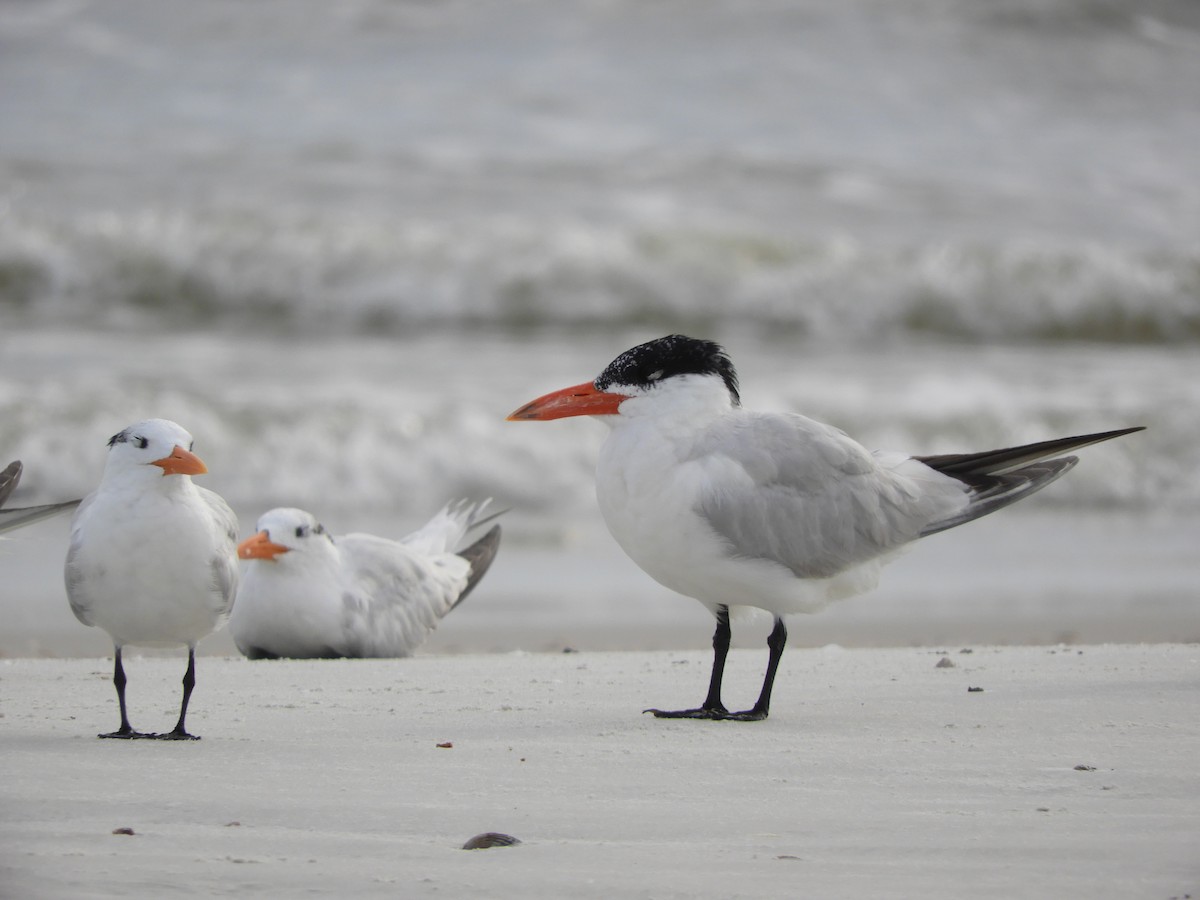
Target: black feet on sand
131 735
715 715
177 735
125 733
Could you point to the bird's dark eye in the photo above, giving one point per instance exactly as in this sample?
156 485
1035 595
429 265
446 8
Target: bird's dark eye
301 531
141 442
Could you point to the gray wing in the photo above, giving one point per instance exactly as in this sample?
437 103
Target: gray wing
807 496
224 562
394 599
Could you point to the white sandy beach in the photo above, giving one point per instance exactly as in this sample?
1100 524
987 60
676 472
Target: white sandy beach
1072 773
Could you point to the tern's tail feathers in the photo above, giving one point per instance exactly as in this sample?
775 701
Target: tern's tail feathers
480 555
997 478
446 530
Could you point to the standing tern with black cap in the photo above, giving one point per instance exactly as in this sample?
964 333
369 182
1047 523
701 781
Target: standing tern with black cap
774 511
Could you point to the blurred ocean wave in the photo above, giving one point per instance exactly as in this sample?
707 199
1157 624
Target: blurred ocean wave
377 425
265 273
339 242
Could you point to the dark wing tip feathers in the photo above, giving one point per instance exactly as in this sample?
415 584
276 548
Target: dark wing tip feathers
990 493
1010 459
998 478
9 479
480 556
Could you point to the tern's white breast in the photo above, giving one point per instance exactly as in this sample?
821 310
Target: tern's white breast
145 567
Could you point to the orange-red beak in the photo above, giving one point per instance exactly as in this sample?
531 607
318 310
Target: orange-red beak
260 547
580 400
181 462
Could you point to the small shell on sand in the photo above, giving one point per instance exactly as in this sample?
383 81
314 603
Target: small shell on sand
490 839
122 831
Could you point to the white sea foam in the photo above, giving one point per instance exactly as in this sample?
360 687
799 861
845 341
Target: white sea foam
403 424
340 242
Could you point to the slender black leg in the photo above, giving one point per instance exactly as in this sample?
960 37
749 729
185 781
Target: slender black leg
775 643
712 708
189 681
125 731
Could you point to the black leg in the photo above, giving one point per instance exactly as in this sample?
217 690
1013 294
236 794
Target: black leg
712 708
775 643
125 732
189 681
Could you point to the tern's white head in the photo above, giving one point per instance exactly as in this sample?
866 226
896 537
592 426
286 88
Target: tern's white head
152 448
286 531
686 375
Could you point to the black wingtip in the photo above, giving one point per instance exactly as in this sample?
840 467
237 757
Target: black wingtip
1010 459
480 555
998 478
990 493
9 479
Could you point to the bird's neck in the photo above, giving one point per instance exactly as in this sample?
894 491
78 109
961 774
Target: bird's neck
151 480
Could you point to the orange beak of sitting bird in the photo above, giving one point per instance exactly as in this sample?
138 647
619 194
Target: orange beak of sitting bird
260 546
181 462
580 400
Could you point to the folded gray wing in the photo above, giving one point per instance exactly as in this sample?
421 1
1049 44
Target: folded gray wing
224 562
73 575
395 598
805 495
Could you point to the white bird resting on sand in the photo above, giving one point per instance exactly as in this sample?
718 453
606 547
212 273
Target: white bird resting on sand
153 557
17 517
308 594
774 511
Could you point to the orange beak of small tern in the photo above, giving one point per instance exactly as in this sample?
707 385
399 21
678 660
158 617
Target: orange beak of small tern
181 462
580 400
260 547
